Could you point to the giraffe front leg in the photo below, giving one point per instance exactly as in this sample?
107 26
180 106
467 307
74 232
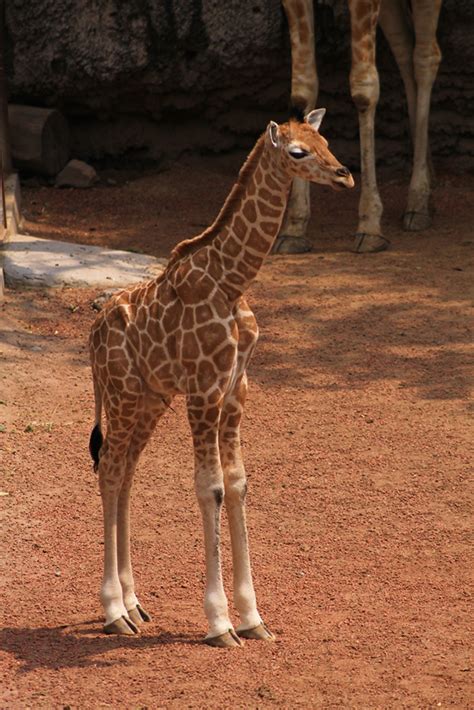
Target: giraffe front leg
251 626
364 80
204 421
426 59
304 92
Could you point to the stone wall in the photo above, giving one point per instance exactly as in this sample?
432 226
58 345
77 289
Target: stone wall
146 77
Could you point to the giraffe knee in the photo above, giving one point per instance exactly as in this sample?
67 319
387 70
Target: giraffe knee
365 89
210 494
426 60
236 488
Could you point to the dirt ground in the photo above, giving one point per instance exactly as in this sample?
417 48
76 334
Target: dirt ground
358 441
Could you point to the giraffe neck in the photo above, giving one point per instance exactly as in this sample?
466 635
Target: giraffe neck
250 220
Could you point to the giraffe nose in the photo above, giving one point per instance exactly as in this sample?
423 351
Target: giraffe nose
342 178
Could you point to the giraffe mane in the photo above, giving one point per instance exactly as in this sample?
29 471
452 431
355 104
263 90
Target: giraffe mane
189 246
298 107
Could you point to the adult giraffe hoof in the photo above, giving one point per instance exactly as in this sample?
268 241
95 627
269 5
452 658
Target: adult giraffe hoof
122 627
138 615
228 639
416 221
291 245
260 633
369 243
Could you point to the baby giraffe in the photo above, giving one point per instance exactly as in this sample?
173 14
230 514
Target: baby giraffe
191 332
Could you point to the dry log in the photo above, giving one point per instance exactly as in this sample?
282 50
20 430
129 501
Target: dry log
39 139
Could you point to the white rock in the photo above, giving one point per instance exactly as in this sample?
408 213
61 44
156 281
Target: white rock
76 174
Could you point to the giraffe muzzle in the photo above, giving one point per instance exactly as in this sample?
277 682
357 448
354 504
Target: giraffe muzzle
342 179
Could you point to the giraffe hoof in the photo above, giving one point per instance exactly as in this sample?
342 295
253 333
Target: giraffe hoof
260 633
416 221
122 627
291 245
138 615
228 639
369 243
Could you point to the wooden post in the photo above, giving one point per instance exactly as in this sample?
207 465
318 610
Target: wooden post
4 132
4 203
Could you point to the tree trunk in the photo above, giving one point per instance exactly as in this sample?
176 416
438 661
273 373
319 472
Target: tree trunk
39 139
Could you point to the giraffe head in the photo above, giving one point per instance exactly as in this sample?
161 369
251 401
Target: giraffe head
304 153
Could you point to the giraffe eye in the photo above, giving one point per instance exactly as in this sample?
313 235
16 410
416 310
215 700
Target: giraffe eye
298 153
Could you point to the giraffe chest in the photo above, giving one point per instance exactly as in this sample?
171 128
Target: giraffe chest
154 339
179 348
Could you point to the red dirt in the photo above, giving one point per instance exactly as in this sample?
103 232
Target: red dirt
357 441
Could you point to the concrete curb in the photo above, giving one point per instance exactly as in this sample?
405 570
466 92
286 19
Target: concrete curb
34 262
31 261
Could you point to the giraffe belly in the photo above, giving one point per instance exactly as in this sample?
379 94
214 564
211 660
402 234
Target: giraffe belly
163 376
154 339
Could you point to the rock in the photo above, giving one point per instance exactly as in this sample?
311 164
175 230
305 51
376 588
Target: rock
76 174
99 302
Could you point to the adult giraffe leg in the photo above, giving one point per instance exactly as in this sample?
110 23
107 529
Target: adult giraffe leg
426 59
146 422
204 414
364 80
396 23
235 484
394 19
304 92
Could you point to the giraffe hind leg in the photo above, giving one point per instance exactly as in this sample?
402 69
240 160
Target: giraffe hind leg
146 423
129 426
400 33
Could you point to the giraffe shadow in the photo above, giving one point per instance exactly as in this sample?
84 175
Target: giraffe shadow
78 646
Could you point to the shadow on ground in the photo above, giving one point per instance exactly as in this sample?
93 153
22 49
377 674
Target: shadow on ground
77 646
368 321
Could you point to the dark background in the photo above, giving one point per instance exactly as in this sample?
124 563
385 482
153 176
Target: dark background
147 78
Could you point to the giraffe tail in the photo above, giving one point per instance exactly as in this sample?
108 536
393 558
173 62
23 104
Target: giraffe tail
96 439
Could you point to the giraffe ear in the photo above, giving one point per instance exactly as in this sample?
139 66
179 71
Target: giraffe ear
273 132
315 117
